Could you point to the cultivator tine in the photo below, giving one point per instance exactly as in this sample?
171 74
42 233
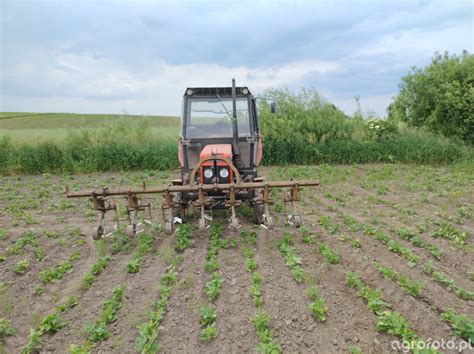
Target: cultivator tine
201 203
168 208
231 203
133 208
267 201
102 205
292 197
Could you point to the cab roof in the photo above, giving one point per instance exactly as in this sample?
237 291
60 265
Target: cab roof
211 91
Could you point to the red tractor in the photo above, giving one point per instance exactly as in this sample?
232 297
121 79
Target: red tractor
220 148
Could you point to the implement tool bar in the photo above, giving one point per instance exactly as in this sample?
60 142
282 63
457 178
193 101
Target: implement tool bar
191 188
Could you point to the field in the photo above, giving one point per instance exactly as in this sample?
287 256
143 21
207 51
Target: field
46 127
386 253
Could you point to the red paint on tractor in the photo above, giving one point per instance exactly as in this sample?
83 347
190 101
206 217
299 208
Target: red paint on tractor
217 150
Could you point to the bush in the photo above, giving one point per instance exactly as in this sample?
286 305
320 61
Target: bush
439 97
307 130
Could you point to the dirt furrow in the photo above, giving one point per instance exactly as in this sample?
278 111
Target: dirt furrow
234 305
181 323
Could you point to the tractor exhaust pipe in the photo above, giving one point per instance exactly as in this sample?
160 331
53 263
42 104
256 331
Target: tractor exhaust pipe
235 126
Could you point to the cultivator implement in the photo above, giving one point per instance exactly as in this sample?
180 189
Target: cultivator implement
199 197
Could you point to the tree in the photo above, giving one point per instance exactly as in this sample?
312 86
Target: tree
439 96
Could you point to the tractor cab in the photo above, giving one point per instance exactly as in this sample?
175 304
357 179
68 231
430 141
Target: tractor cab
220 139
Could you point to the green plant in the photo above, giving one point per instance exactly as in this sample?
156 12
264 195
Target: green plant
183 237
98 331
462 325
39 290
133 266
6 328
456 237
208 323
355 350
326 222
33 344
412 288
74 349
331 256
212 265
55 273
208 315
213 286
292 260
312 292
249 237
120 242
208 333
29 238
149 330
251 264
261 322
95 270
22 266
393 323
170 277
51 324
319 309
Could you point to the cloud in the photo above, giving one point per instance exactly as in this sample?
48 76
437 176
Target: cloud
104 56
84 76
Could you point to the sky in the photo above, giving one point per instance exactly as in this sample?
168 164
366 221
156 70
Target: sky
139 56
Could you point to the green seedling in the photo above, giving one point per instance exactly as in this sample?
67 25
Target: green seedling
213 287
21 267
331 256
6 328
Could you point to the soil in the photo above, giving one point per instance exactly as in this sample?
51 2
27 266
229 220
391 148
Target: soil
387 197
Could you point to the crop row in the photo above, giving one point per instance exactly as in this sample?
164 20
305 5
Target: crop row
317 305
261 320
150 330
212 287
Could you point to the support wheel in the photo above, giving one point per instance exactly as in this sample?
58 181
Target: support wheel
97 232
131 230
169 227
258 211
297 221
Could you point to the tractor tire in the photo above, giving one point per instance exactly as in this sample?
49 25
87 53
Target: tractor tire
97 232
258 211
